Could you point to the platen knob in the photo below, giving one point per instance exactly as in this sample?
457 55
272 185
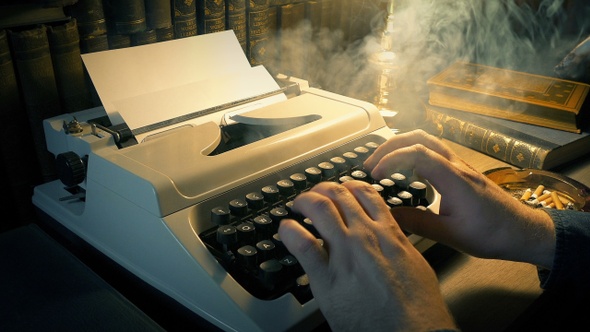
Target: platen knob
71 169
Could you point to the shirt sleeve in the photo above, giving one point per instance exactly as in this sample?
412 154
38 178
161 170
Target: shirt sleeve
571 264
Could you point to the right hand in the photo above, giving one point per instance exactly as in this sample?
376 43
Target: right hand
476 216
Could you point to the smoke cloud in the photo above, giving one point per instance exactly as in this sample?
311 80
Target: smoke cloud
428 35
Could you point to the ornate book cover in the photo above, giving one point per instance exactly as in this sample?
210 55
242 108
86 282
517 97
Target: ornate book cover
210 16
236 19
522 145
517 96
257 26
185 18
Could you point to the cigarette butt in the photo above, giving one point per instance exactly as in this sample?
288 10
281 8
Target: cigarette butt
538 200
547 200
557 201
526 195
538 191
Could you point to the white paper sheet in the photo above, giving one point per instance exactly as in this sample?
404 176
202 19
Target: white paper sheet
148 84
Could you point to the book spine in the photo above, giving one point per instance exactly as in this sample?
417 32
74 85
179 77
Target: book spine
185 18
64 44
210 16
16 145
33 64
90 17
158 14
327 14
145 37
258 31
236 20
491 142
125 17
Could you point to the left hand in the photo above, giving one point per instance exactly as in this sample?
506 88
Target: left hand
367 276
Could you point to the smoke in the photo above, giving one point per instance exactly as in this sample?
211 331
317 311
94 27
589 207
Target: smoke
428 35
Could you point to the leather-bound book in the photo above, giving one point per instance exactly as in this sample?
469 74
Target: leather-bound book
64 44
210 16
90 17
19 160
520 144
158 14
185 18
235 20
32 59
507 94
258 31
125 17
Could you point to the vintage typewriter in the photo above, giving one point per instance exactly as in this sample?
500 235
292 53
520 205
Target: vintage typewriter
193 211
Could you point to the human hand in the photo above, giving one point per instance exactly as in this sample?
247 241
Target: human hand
476 215
367 276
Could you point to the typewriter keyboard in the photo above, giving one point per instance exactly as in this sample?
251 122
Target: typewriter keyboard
245 240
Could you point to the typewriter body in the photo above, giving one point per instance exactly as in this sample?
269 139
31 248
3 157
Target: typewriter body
154 206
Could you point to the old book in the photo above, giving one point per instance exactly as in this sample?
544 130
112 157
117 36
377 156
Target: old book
507 94
210 16
257 27
125 17
32 60
158 14
185 18
520 144
235 19
90 17
19 161
64 45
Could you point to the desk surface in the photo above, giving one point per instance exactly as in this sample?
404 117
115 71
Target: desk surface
489 295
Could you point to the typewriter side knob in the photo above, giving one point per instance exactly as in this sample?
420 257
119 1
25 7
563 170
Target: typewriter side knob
71 169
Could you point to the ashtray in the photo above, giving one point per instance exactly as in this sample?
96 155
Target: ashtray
523 183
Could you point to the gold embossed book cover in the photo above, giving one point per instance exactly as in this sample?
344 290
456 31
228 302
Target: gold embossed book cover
517 96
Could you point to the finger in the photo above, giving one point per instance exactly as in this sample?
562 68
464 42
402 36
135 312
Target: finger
444 175
305 247
318 205
405 140
372 204
423 223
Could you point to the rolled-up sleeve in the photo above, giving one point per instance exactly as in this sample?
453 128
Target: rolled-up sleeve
571 264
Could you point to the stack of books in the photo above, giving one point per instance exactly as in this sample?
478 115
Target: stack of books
527 120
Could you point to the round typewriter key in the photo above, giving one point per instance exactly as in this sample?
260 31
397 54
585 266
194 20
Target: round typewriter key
339 163
352 159
378 188
246 232
220 215
388 187
277 214
345 178
266 248
406 197
270 193
360 175
255 200
270 272
247 256
238 207
227 234
417 189
362 152
314 174
328 170
394 202
299 180
263 224
286 187
372 146
401 181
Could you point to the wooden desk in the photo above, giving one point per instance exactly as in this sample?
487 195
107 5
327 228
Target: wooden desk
489 295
